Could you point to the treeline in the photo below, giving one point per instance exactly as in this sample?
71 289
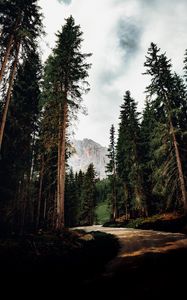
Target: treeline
38 104
147 165
80 197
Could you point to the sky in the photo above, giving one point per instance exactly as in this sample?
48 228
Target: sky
118 34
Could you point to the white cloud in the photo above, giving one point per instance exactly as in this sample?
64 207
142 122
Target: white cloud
115 68
65 1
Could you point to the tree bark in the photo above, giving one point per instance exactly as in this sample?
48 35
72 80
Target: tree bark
11 81
9 47
179 166
61 167
6 55
23 206
177 154
40 194
114 200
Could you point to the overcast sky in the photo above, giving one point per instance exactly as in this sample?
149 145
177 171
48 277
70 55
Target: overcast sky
118 33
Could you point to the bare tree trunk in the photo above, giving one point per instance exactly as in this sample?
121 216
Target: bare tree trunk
126 197
44 212
23 207
6 55
9 46
40 194
58 197
114 200
61 168
126 211
11 81
179 166
177 154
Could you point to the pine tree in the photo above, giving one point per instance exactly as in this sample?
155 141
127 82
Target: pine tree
111 171
19 145
72 200
185 65
88 196
65 83
129 158
163 87
21 25
147 128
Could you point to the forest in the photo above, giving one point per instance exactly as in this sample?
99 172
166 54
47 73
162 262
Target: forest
146 175
147 166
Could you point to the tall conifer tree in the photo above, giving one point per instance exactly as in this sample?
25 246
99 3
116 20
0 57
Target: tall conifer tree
88 197
21 26
18 150
163 87
111 171
65 83
129 157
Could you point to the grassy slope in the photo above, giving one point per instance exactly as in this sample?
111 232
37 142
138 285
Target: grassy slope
102 213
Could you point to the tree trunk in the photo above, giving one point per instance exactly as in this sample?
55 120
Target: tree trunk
177 154
58 203
9 47
114 200
6 55
40 194
23 206
11 81
179 166
61 167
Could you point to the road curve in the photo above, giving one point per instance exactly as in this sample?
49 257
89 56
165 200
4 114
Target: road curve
135 242
149 265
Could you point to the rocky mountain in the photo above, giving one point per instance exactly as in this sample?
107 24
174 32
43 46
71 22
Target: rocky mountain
87 152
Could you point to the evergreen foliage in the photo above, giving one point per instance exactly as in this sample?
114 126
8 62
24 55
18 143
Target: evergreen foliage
128 159
88 195
65 82
147 168
18 151
168 95
111 171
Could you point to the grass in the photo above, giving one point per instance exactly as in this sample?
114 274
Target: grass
102 213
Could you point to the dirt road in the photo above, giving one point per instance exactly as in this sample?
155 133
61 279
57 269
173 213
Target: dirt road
137 242
149 264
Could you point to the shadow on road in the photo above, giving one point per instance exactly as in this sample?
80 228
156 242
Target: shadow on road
150 265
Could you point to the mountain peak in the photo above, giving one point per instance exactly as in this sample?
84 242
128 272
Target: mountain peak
86 152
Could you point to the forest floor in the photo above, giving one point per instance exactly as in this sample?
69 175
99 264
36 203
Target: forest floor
149 265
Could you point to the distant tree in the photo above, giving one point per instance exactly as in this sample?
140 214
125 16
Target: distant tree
111 171
72 200
128 158
79 179
88 197
185 65
102 190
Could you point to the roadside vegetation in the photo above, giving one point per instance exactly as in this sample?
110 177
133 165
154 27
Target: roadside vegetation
73 254
168 222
